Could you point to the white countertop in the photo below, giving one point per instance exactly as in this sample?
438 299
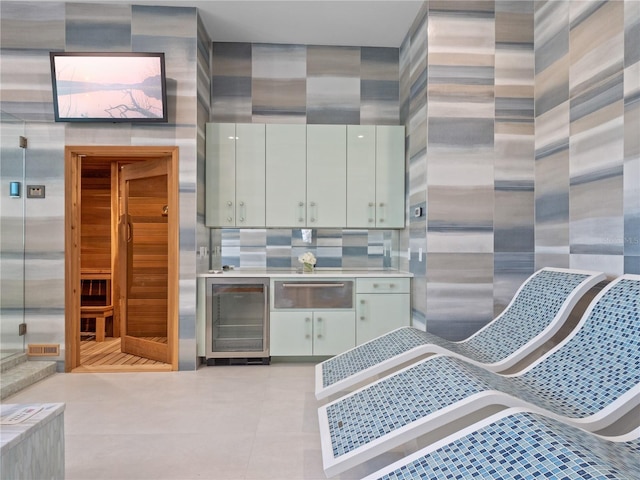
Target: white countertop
318 272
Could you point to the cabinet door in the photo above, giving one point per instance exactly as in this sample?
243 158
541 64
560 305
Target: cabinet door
326 176
361 176
286 175
390 174
333 332
220 174
250 175
379 314
291 333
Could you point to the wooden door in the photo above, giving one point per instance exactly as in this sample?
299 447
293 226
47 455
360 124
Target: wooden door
143 254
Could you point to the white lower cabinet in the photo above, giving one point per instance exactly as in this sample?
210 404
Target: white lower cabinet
382 305
303 333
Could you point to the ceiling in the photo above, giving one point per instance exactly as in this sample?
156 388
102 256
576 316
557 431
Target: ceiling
377 23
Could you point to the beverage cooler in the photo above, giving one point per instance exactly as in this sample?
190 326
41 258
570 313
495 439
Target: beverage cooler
237 327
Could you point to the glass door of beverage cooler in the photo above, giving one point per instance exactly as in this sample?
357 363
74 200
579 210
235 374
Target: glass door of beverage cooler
237 318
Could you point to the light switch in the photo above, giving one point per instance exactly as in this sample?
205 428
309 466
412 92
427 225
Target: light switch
14 189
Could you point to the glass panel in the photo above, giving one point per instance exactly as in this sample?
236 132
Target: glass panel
12 223
313 294
238 313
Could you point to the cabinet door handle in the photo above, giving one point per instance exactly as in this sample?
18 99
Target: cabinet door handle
308 322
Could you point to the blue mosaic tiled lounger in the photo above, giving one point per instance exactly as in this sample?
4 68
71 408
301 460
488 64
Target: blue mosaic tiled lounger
516 444
590 379
536 312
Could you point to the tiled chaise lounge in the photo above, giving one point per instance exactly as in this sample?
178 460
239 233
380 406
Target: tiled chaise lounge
515 443
590 380
537 311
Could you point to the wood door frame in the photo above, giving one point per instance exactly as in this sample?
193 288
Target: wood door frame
73 171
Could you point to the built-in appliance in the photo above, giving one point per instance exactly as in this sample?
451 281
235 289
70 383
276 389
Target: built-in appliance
312 294
237 326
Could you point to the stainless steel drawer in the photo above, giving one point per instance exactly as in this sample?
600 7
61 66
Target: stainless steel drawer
312 294
384 285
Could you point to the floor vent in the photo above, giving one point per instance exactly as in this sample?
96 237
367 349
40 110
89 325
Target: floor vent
43 349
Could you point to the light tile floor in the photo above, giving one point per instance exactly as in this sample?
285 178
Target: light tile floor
218 423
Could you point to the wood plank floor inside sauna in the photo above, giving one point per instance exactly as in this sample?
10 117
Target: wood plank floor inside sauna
107 357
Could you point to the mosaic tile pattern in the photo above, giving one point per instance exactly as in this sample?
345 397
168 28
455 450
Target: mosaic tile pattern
525 445
396 401
593 369
598 364
535 307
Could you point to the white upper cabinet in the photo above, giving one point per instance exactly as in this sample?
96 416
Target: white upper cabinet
286 178
390 173
220 174
250 175
375 176
304 176
235 175
361 176
326 176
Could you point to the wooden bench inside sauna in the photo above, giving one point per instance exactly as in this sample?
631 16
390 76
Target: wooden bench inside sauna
96 305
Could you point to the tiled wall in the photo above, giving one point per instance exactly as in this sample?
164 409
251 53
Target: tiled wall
503 193
29 30
467 101
269 83
511 184
587 123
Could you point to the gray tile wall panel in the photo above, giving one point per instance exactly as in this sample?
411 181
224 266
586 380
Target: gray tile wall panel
278 83
514 148
581 103
597 131
87 32
231 81
32 26
460 167
631 138
379 86
459 293
333 85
